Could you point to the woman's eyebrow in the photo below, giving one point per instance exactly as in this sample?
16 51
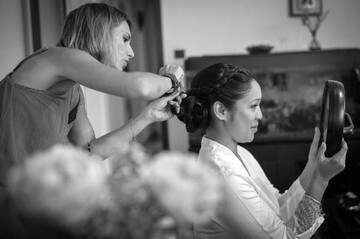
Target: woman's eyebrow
255 100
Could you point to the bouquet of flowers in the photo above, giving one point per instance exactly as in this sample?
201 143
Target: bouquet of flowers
62 184
140 197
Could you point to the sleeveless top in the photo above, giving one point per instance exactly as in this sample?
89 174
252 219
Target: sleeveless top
33 120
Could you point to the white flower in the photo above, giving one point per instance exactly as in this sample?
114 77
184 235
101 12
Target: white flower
187 188
128 160
62 183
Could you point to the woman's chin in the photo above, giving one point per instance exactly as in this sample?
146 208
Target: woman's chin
247 140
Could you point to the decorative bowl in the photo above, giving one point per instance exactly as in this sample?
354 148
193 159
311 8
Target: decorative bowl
259 49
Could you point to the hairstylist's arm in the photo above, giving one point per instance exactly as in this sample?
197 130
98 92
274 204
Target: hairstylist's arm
86 70
115 141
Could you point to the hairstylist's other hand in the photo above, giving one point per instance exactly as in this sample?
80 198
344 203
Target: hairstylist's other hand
326 168
160 109
174 70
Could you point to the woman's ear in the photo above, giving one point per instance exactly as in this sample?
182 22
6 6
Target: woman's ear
219 110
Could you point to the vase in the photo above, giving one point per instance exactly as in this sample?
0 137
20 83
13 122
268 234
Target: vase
314 44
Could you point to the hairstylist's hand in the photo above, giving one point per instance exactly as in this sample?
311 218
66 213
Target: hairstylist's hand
174 70
161 108
326 168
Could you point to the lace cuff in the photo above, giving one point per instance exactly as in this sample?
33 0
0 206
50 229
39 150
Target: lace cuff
308 210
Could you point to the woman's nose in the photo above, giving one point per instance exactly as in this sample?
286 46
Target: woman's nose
131 53
259 114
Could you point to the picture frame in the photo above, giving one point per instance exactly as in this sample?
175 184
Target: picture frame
301 8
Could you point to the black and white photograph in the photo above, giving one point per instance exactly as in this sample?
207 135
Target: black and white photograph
179 119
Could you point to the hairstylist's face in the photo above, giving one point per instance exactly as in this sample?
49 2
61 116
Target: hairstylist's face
244 117
123 51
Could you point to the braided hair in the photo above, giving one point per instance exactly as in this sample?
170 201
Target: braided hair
218 82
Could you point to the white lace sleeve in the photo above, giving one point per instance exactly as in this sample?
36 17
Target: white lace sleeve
308 211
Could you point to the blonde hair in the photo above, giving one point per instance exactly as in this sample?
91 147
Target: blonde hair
90 27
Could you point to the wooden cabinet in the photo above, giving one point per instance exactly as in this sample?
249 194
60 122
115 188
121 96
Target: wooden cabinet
292 85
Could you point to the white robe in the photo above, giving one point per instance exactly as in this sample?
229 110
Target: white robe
259 210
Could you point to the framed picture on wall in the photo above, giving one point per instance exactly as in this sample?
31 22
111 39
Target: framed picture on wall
299 8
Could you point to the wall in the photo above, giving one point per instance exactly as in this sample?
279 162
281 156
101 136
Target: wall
12 38
51 21
211 27
15 26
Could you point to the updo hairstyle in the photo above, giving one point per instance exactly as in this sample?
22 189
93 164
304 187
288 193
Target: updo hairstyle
221 82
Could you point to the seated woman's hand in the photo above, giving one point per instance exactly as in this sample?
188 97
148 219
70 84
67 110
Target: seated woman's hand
322 166
328 167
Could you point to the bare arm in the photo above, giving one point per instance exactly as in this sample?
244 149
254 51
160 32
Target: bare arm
86 70
115 141
58 63
44 70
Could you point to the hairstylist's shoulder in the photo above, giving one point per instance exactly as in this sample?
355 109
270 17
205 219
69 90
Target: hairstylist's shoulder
72 63
63 55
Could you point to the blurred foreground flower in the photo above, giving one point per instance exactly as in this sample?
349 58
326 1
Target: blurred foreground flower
62 184
143 197
187 188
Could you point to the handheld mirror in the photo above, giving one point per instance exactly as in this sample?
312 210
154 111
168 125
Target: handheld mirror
333 116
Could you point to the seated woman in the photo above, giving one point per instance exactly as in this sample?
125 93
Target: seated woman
225 101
